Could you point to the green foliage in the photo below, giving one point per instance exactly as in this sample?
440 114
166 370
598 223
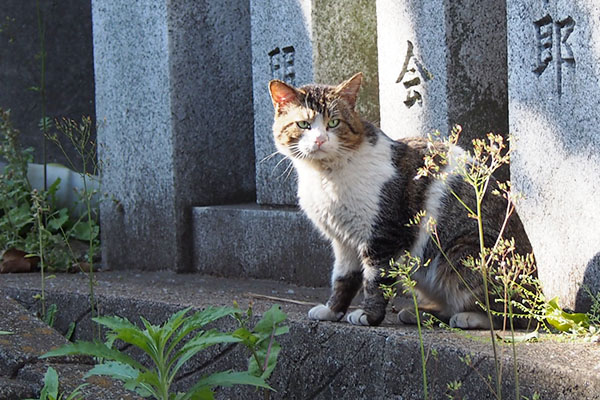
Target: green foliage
453 389
175 342
564 321
594 313
50 315
29 219
50 390
261 341
15 216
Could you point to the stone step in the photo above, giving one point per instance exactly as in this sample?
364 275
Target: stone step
263 242
320 360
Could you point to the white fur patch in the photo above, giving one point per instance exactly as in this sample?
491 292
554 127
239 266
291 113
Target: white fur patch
324 313
308 142
343 200
358 317
346 260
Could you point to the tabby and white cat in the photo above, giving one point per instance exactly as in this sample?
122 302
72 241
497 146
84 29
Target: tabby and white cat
358 187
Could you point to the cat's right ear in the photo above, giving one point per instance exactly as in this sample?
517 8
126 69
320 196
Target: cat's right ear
282 93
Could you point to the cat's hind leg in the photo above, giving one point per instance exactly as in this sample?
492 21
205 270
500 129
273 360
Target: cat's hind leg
462 320
407 316
470 320
346 280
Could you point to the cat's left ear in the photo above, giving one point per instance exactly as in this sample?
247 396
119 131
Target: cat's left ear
282 93
349 89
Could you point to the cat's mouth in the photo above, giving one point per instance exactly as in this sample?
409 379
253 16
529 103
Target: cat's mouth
315 153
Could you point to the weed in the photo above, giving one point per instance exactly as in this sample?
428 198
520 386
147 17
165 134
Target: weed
44 120
261 342
50 390
15 217
507 276
453 389
594 313
176 341
402 273
85 228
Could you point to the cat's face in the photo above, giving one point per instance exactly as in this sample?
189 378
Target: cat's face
317 122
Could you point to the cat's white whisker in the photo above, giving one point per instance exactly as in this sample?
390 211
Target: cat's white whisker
290 169
279 163
287 170
267 158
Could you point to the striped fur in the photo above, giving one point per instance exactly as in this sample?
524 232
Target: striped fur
358 187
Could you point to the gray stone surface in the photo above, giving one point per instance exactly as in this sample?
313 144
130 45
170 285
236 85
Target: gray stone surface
452 72
330 360
22 372
173 92
69 67
302 42
260 242
554 65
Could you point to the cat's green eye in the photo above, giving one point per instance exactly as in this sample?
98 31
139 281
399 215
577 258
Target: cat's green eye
303 124
332 123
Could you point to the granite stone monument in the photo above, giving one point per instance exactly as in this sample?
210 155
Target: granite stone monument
173 94
554 92
442 63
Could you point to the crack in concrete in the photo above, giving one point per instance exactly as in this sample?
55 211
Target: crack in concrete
76 322
14 372
335 374
220 355
472 369
328 338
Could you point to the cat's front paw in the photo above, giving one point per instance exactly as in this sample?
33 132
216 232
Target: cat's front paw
358 317
324 313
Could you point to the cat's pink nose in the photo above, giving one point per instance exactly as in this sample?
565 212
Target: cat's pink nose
320 140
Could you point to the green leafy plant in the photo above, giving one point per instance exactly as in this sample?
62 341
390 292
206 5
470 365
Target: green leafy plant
50 390
261 342
577 323
29 218
170 345
15 215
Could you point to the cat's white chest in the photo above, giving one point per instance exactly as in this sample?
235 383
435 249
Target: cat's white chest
344 202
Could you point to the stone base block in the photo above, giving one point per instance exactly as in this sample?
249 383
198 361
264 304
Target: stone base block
260 242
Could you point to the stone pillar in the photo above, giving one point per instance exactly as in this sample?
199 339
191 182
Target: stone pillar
299 42
441 63
69 68
554 92
174 105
